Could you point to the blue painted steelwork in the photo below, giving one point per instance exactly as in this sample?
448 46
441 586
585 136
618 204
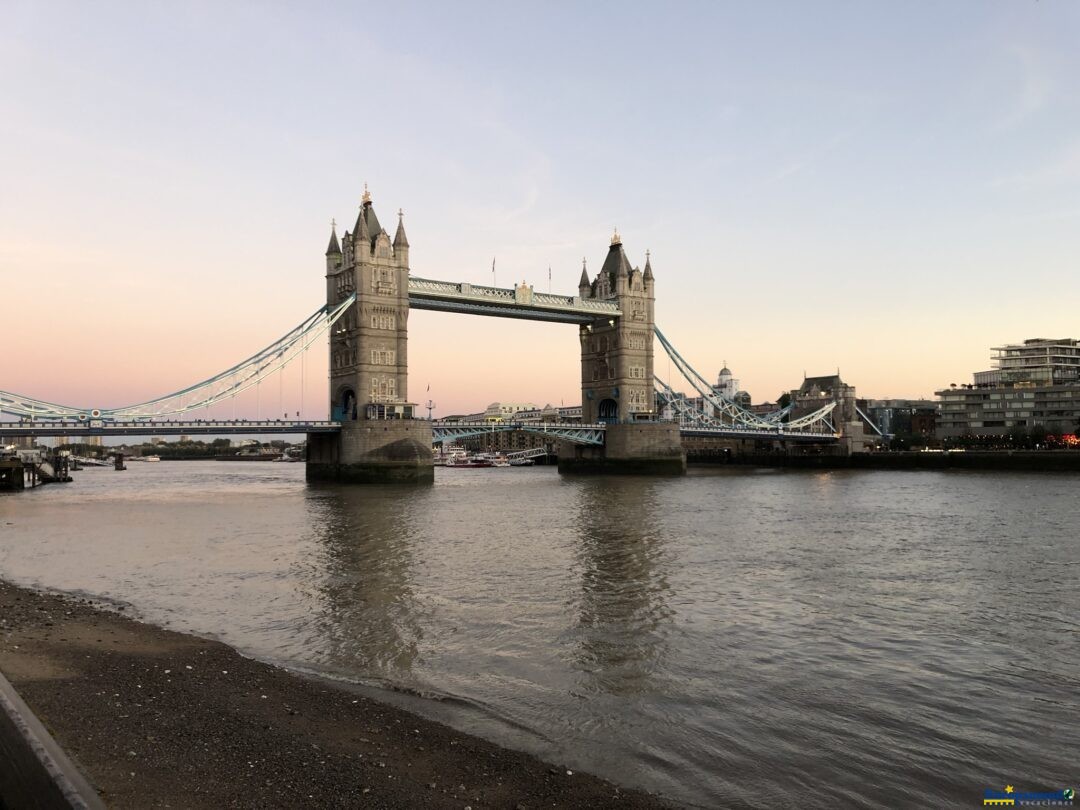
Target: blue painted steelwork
225 385
871 422
39 418
732 415
210 427
578 434
693 422
736 432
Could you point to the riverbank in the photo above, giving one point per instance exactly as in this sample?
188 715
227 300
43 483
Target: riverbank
1011 460
156 718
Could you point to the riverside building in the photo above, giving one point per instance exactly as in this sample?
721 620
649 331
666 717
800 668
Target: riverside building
1031 384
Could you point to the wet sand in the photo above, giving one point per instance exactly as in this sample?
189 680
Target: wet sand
156 718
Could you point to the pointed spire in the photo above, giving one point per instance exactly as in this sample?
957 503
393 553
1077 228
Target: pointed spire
333 249
360 228
400 239
648 266
616 265
584 276
367 226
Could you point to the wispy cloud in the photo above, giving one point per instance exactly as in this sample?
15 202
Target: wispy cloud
810 157
1062 169
1036 89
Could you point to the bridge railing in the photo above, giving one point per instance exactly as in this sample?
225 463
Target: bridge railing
592 434
59 427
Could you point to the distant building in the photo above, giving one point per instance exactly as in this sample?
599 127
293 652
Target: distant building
848 417
1034 362
515 412
726 385
903 416
726 388
549 413
924 422
1034 384
505 411
817 392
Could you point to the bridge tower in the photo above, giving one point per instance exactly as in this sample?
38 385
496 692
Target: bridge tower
381 439
617 376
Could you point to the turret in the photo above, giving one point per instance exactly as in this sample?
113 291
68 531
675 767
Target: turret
648 277
583 284
401 241
361 236
333 250
622 272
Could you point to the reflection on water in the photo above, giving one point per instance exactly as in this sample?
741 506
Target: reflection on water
621 633
368 617
731 638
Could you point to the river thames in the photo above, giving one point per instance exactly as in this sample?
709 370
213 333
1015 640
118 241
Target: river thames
731 638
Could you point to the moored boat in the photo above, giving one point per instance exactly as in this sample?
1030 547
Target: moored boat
469 462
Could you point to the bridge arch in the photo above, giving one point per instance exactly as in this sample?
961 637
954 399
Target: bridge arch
344 404
607 411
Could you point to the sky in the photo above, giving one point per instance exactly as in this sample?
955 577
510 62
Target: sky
885 189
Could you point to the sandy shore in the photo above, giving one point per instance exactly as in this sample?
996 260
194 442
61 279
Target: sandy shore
162 719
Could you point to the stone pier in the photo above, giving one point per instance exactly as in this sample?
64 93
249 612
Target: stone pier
634 448
373 452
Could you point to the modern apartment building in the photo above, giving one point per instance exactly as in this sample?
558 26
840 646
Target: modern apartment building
1032 384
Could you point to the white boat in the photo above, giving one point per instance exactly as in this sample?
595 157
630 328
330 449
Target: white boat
521 462
151 458
494 459
468 462
448 454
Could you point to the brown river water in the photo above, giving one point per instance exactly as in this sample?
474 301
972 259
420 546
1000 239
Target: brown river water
731 638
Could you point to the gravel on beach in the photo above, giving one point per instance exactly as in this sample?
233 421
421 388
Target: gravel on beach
156 718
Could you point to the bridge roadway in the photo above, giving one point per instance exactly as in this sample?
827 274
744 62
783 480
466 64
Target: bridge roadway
200 427
594 433
805 437
441 431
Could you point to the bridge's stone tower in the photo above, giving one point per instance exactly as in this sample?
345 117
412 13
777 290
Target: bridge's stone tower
617 376
380 440
617 354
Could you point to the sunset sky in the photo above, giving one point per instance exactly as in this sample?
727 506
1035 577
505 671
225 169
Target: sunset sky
885 188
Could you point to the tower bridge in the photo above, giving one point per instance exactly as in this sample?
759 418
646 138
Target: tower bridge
374 433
